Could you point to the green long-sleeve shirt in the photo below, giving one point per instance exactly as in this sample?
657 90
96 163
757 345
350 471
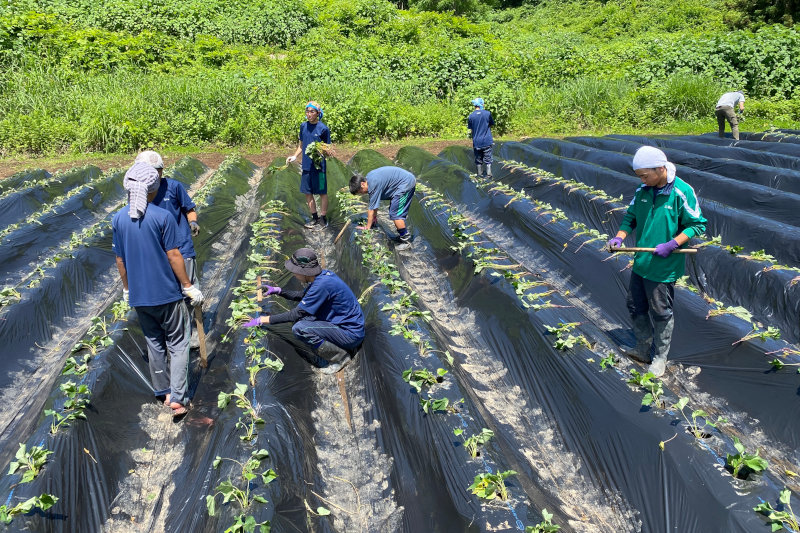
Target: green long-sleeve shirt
657 217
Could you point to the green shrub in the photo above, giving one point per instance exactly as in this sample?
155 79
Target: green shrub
684 96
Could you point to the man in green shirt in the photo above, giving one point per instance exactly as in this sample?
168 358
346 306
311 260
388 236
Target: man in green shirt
665 214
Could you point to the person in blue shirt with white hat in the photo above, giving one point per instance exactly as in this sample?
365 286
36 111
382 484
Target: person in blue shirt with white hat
480 123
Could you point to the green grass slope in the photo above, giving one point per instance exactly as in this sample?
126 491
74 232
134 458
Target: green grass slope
121 75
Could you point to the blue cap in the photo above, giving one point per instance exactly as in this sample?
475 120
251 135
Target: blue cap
478 102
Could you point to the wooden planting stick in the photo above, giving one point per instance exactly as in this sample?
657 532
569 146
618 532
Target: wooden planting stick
632 249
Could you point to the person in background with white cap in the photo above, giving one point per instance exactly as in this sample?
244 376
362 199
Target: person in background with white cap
726 110
479 123
665 214
313 180
328 320
154 280
173 197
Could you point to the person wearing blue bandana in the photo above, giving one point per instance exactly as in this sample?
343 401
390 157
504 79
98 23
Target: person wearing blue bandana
480 123
665 214
313 180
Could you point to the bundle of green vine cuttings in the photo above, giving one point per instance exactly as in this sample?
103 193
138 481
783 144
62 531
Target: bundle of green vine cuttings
316 151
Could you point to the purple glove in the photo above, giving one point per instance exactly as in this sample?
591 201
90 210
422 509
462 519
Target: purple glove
616 242
666 248
252 323
269 289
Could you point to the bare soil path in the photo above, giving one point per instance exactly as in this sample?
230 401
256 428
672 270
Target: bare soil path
212 159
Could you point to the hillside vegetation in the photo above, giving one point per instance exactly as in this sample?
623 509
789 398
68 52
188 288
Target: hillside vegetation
120 75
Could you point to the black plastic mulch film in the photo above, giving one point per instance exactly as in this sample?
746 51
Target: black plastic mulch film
577 436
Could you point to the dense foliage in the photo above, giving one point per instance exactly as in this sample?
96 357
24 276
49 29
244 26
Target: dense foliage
119 75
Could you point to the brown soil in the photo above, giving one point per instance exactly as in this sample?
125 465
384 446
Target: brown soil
212 159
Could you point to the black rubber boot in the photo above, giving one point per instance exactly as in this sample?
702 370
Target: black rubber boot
662 339
337 357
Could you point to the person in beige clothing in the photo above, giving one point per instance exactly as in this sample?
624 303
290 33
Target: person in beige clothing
726 110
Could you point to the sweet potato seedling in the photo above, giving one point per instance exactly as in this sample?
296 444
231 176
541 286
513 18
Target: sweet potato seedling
242 494
649 383
695 428
418 378
780 519
29 462
43 502
77 400
743 462
250 418
545 526
491 486
471 443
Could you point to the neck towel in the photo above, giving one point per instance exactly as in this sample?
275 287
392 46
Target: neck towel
140 180
652 157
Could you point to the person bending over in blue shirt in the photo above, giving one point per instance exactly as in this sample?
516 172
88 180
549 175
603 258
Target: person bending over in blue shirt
387 183
313 180
173 197
328 319
154 280
479 123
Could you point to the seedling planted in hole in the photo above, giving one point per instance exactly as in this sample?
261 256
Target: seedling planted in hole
242 496
97 337
418 378
694 426
648 382
491 486
250 418
545 526
471 443
43 502
609 360
77 400
120 310
30 462
780 519
744 460
72 366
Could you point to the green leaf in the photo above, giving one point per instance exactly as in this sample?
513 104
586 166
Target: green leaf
268 476
458 431
46 501
260 454
259 499
322 511
682 403
223 399
210 505
217 462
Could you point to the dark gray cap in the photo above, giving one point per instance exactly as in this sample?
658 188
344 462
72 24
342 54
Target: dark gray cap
304 262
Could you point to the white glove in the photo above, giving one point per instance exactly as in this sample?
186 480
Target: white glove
291 159
126 295
194 294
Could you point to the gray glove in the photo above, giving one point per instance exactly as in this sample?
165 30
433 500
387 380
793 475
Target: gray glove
195 227
194 295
